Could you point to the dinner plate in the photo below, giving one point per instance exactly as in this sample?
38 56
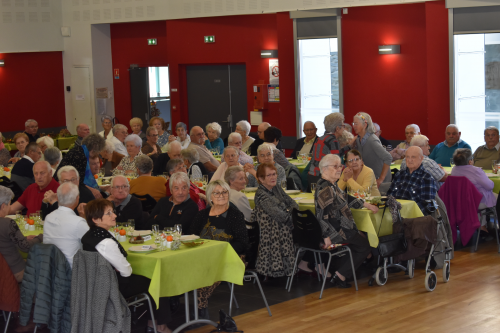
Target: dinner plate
11 217
297 163
289 158
142 232
139 249
187 238
489 174
250 189
292 191
307 201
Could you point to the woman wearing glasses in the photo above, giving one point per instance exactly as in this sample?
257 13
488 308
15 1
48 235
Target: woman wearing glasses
273 212
357 176
333 211
231 158
222 222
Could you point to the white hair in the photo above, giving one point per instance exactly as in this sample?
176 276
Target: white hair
216 127
415 127
365 117
6 195
245 125
376 126
67 194
49 142
175 144
419 141
67 168
328 160
265 146
119 127
135 139
109 147
179 177
332 121
454 126
27 123
489 128
234 135
119 177
191 155
236 150
211 187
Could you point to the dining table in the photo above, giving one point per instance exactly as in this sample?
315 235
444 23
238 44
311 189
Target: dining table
365 219
64 143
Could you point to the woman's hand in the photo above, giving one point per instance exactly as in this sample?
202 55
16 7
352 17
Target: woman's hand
328 242
347 174
371 207
171 138
155 150
203 197
249 168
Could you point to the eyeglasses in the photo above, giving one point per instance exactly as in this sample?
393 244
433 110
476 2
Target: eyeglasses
231 155
310 130
123 187
271 175
354 160
336 167
72 180
220 194
265 155
109 213
153 135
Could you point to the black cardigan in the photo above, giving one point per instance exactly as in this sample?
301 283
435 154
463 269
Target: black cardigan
160 214
235 226
133 210
298 146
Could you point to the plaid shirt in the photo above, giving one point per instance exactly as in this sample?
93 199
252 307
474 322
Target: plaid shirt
418 186
431 167
327 144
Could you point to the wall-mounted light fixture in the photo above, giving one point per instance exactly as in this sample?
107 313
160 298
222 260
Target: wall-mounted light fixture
2 62
269 53
389 49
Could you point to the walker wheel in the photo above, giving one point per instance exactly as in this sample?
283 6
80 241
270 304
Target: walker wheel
430 281
446 272
411 268
381 276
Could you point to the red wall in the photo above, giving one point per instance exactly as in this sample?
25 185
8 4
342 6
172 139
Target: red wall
31 86
400 89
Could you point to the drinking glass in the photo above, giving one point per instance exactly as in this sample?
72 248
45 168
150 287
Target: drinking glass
283 185
101 172
156 229
452 163
205 179
494 166
313 188
178 228
131 227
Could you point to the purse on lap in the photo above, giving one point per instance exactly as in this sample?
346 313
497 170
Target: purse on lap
392 245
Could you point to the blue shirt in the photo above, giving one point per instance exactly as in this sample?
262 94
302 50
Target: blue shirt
418 186
442 153
217 143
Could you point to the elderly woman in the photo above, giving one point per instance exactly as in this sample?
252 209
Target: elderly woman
464 167
45 142
159 124
398 153
194 167
145 183
273 212
127 165
120 132
221 222
231 155
53 156
151 147
243 127
4 153
214 141
196 194
368 144
136 126
101 218
272 136
335 218
107 124
265 155
78 157
234 140
21 140
237 179
178 208
126 206
182 137
12 239
110 158
357 176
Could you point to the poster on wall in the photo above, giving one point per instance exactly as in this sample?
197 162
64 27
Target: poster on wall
274 72
273 93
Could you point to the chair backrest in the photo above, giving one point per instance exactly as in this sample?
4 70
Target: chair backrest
10 298
292 174
148 202
13 186
384 187
306 229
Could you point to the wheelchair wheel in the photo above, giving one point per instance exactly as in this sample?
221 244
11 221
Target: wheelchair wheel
446 271
381 276
411 268
430 281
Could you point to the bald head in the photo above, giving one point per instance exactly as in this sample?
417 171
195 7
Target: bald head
414 158
197 135
43 174
82 130
174 150
309 130
261 128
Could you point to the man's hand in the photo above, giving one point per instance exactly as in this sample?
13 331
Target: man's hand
50 197
96 193
30 237
13 160
379 182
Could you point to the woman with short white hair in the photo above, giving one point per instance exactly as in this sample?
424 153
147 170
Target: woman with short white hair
236 178
213 140
264 155
234 139
127 165
107 125
45 142
398 153
182 137
243 127
231 155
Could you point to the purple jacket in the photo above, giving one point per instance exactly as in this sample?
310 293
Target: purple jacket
477 177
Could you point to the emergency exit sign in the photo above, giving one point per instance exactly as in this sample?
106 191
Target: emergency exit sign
152 41
209 39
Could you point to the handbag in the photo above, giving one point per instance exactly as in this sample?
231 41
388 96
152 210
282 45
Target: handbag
392 245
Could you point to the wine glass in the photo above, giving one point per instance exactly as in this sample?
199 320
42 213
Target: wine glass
156 229
131 227
178 228
494 166
313 189
283 185
452 163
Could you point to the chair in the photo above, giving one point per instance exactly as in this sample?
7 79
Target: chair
487 212
9 292
384 188
148 203
248 275
16 189
136 303
307 235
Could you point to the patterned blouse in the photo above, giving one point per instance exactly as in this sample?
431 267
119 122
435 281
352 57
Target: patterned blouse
76 158
126 164
276 203
162 139
333 211
4 157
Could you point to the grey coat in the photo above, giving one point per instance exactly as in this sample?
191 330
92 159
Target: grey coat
97 306
48 275
375 156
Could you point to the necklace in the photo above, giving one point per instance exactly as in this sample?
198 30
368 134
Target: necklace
217 215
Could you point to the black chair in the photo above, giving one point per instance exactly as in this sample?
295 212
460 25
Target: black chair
148 203
307 236
12 185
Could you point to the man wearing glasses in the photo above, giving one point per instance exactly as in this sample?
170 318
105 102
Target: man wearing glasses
198 142
305 145
31 129
127 207
385 142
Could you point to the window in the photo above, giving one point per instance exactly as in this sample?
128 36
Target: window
318 79
158 82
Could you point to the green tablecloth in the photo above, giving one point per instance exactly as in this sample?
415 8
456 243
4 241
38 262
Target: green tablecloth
365 220
64 143
10 146
301 166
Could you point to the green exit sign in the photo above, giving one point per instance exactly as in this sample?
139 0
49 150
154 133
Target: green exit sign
209 39
152 41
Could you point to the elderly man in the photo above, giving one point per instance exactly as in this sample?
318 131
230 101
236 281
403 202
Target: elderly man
67 174
234 139
198 142
160 165
126 206
378 132
120 132
31 129
34 194
430 166
260 132
398 153
443 152
305 145
145 183
414 182
82 131
484 155
63 227
22 172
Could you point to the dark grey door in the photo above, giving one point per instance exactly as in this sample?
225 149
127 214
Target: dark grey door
139 95
217 93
